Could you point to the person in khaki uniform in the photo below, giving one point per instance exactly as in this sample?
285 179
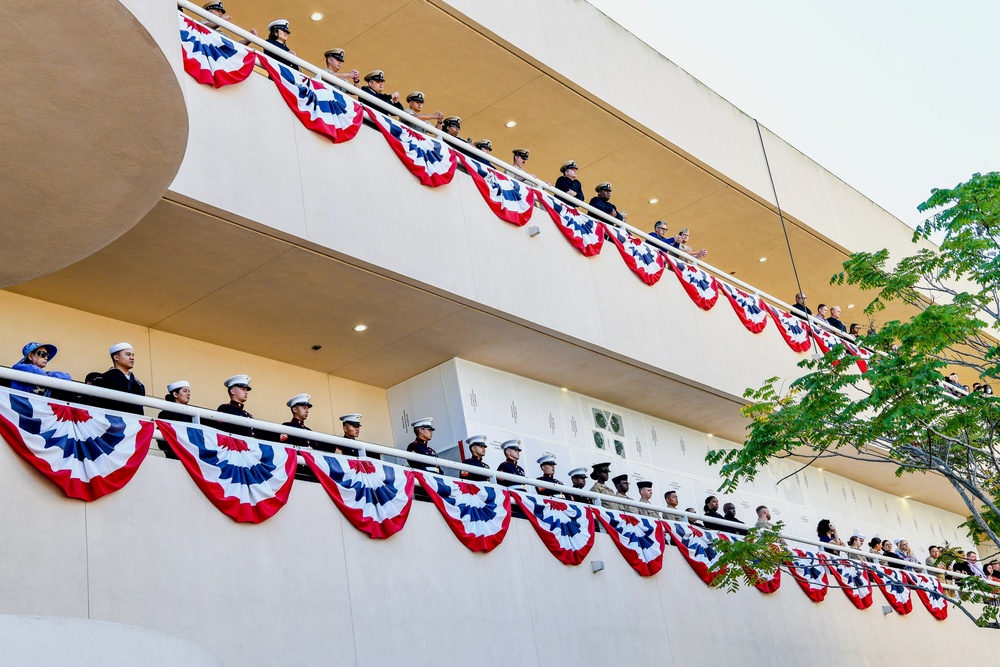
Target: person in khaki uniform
600 475
645 493
621 490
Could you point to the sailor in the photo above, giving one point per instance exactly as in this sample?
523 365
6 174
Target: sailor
645 493
423 429
568 182
602 202
512 452
578 477
177 392
600 475
239 391
220 11
299 405
335 62
485 145
477 446
520 159
278 33
120 378
453 125
621 489
547 462
375 84
415 102
351 424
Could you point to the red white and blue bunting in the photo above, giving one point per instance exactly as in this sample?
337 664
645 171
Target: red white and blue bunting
246 480
697 546
639 539
700 285
647 262
894 587
321 107
929 591
853 580
430 160
374 496
582 231
478 513
212 58
809 569
509 199
215 59
793 329
87 452
565 528
861 353
825 339
749 307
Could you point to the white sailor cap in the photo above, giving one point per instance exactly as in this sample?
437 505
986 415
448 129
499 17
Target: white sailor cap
238 381
180 384
511 444
298 399
424 422
546 458
578 472
280 23
118 347
476 440
353 418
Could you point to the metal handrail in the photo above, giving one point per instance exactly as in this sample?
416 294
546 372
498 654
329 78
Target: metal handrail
468 148
366 447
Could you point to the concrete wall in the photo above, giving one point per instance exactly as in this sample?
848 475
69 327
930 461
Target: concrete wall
161 358
305 588
336 198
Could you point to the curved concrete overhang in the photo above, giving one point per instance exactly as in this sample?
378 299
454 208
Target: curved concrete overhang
94 132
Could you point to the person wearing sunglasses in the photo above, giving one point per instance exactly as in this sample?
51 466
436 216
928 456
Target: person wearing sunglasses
34 358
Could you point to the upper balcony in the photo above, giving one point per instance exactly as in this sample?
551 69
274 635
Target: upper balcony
267 218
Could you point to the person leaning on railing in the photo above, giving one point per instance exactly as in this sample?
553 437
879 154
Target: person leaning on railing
375 84
680 242
827 533
415 102
335 62
34 358
602 202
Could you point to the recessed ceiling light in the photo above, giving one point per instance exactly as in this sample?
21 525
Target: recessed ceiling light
511 123
850 305
905 497
654 200
710 435
564 388
762 260
361 327
820 469
316 16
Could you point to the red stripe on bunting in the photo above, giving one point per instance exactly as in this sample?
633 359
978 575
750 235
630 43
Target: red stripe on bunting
67 475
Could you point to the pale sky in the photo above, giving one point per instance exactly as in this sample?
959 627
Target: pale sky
893 97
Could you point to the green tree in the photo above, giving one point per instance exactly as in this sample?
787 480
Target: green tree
899 412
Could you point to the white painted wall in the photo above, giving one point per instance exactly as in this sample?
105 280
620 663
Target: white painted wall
338 198
468 399
306 588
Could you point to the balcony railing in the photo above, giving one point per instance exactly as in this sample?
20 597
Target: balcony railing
365 448
463 147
